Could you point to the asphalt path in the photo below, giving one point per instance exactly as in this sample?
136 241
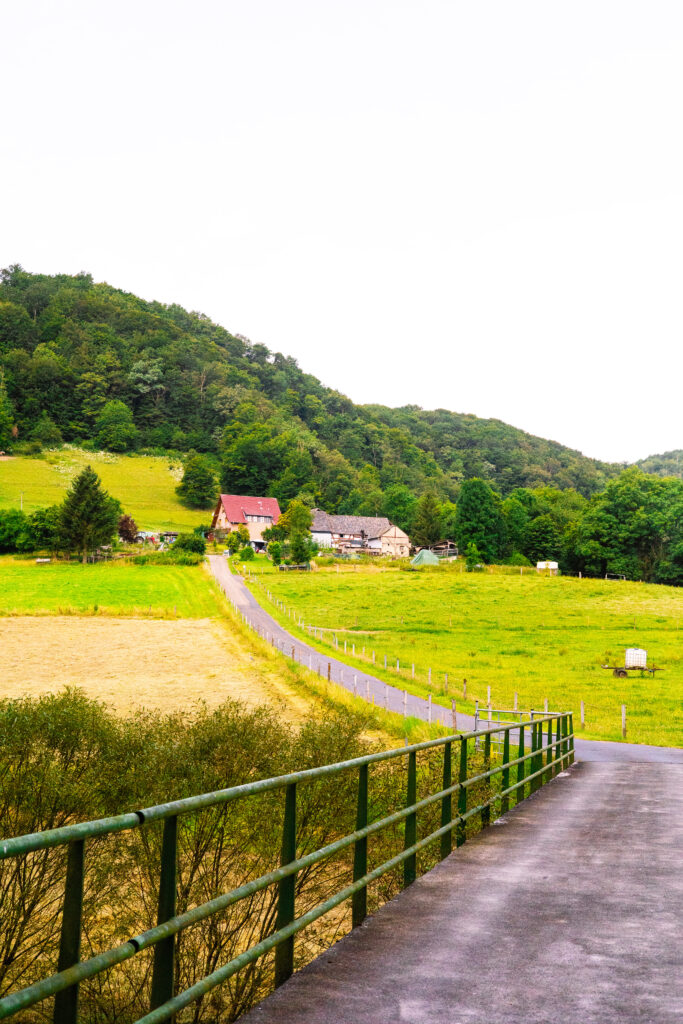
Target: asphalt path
567 909
393 698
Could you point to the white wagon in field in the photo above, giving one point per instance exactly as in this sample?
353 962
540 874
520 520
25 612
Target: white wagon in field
635 660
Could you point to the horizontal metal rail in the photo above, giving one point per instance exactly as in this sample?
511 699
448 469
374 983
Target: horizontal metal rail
65 982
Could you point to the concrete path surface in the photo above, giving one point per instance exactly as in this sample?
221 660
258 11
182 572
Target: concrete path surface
567 910
371 688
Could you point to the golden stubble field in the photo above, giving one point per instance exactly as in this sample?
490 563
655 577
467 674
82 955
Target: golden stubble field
132 663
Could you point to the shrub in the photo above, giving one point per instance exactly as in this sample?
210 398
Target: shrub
246 555
275 551
472 557
517 558
190 542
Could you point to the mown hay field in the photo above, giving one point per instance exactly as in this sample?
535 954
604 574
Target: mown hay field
149 636
537 636
145 485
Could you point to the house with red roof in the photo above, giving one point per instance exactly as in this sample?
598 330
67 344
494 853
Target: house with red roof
257 514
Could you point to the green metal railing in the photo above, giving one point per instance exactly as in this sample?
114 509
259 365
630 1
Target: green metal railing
549 752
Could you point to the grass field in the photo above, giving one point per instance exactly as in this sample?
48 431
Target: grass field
151 637
539 637
144 485
106 588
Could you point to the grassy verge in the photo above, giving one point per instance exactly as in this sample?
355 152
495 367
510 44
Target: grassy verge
537 637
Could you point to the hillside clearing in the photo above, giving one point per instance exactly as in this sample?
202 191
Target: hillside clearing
145 485
539 637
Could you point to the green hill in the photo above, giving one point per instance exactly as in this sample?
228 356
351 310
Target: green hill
69 346
666 464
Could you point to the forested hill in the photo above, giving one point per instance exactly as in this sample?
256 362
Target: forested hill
666 464
86 362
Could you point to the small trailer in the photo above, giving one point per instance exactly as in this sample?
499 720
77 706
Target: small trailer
635 660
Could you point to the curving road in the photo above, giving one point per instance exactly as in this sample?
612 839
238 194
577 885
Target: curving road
383 694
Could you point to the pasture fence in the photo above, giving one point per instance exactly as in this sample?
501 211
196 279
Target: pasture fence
328 636
506 779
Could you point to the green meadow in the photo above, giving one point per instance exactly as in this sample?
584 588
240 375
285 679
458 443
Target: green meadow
145 485
539 637
106 588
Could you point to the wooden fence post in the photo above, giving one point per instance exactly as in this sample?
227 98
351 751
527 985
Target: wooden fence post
583 715
454 715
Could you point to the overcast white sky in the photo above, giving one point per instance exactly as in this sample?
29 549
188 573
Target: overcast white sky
472 205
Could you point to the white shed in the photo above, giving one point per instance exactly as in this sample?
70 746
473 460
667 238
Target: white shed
548 567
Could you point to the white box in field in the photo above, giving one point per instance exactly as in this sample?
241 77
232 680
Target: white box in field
636 657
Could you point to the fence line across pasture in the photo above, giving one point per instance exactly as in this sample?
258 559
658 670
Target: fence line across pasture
318 633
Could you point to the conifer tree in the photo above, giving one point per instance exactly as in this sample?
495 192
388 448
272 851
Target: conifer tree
89 516
427 525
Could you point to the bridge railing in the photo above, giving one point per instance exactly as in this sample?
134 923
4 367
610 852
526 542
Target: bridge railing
551 749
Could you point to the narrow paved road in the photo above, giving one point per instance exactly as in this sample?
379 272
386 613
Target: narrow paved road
568 909
371 688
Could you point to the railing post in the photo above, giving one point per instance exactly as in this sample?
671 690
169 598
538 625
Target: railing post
486 811
549 752
284 952
446 801
565 743
359 900
164 951
505 776
462 793
519 791
66 1002
571 738
558 745
533 760
410 838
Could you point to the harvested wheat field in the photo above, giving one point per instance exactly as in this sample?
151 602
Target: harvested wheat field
132 663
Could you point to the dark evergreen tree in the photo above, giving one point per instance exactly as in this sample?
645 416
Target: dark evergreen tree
479 520
427 523
89 516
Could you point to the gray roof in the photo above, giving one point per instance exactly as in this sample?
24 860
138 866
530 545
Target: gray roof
370 526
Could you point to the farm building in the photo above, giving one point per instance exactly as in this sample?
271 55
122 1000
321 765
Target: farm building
257 514
370 534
